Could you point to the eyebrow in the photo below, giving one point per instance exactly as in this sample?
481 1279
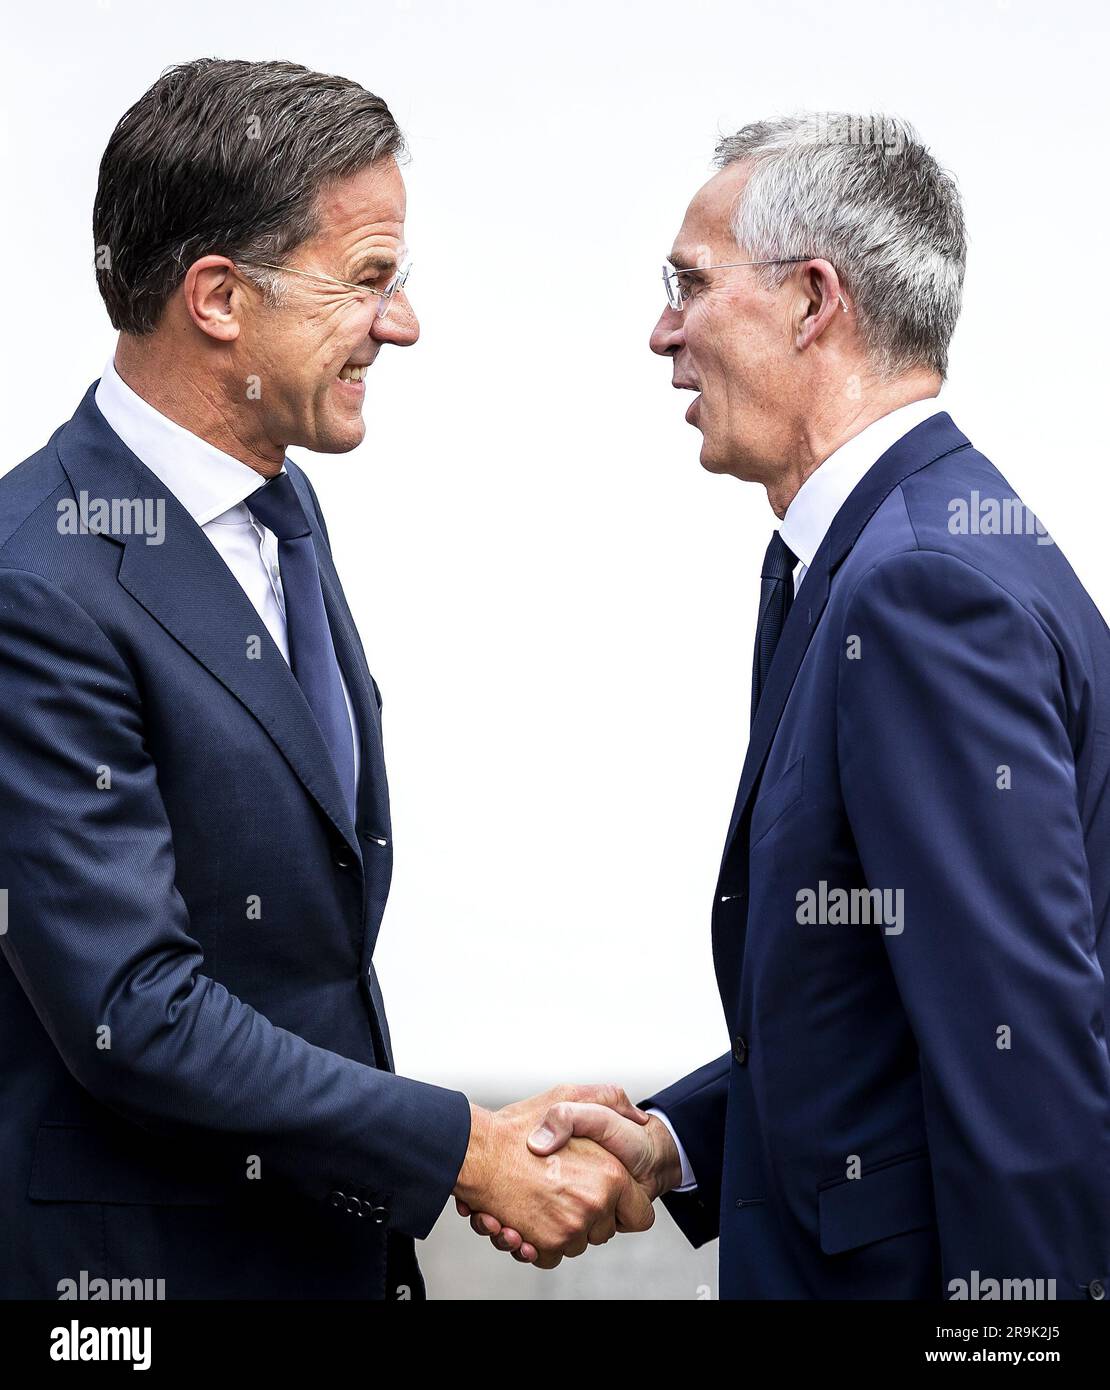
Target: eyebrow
681 262
379 261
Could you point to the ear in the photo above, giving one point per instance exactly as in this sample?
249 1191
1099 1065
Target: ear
822 299
212 297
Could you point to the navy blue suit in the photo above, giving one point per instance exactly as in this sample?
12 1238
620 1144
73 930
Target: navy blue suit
903 1106
197 1082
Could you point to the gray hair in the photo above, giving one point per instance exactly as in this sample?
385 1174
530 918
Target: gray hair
224 157
863 193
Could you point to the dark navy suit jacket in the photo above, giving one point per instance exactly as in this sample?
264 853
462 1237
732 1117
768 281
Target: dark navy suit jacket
197 1082
902 1108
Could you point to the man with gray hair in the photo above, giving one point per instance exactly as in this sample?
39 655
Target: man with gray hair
195 846
913 1101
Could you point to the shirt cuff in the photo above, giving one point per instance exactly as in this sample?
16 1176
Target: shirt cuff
688 1181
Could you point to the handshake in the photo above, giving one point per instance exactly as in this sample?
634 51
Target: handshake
549 1176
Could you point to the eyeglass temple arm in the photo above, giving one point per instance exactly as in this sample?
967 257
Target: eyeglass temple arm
733 265
317 275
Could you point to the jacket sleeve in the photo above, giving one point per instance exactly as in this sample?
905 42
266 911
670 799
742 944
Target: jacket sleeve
959 781
99 939
696 1107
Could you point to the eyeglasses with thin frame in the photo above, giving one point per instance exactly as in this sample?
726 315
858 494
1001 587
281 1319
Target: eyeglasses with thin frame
676 295
385 296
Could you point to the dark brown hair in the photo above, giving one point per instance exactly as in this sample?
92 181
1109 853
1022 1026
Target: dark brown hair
223 157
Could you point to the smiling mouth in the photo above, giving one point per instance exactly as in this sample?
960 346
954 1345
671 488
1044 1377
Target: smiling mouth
353 375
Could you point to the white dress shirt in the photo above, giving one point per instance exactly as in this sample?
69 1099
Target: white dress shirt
829 486
805 526
212 487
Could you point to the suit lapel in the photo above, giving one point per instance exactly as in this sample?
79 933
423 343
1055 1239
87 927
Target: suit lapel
373 792
923 445
373 795
186 587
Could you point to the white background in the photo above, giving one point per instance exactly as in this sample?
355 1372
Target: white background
556 600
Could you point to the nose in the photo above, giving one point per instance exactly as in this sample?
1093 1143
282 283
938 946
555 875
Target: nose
400 327
667 336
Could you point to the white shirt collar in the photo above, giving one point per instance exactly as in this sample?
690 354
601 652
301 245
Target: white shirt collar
828 487
207 482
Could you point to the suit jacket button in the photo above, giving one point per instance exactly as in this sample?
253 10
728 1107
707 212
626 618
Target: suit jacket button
740 1050
378 1215
343 859
337 1199
1096 1289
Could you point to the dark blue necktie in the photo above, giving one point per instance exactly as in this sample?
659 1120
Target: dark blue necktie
776 594
311 650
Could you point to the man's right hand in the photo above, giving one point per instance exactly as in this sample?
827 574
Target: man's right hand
555 1203
647 1151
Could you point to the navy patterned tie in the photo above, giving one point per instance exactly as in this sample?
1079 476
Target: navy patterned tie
776 594
311 651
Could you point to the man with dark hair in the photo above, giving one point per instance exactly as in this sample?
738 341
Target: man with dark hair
195 841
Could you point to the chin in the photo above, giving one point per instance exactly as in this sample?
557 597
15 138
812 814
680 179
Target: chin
709 461
729 463
342 441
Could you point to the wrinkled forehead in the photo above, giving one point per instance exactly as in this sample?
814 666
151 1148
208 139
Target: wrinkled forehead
366 207
706 231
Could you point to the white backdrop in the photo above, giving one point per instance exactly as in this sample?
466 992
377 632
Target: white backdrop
556 600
